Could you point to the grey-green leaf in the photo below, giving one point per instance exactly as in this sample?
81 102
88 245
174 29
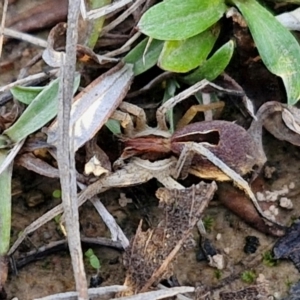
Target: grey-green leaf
277 47
144 57
26 94
114 126
5 205
212 67
185 55
179 20
41 110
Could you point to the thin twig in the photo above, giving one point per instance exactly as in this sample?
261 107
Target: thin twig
93 293
125 47
4 10
122 17
100 12
65 152
25 37
29 79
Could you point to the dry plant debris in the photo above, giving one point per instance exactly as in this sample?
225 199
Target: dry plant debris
151 254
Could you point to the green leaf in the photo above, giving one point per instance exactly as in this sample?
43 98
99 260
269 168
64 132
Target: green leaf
93 259
88 253
41 110
94 262
185 55
277 47
26 94
212 67
170 90
144 57
179 20
114 126
95 25
56 194
5 205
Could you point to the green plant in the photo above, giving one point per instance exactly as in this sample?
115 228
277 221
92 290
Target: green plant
269 260
288 283
93 259
42 107
208 223
182 35
56 194
248 276
218 274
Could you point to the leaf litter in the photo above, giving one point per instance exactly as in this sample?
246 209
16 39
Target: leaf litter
155 242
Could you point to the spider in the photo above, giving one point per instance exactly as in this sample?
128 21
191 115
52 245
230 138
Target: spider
217 150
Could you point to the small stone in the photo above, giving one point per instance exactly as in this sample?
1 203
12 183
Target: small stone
227 250
286 203
216 261
268 172
123 200
260 196
292 185
219 236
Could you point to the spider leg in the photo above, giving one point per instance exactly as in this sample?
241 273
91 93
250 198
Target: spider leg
235 177
124 116
161 112
194 109
184 162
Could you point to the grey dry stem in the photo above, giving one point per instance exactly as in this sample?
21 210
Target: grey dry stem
65 151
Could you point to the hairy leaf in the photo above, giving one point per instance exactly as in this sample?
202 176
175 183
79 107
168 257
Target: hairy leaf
179 20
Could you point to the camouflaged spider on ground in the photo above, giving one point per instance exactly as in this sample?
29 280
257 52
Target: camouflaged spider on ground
216 150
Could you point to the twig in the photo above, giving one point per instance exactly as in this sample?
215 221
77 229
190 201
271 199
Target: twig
100 12
160 294
29 79
4 10
25 37
65 152
122 17
115 230
151 84
125 47
93 293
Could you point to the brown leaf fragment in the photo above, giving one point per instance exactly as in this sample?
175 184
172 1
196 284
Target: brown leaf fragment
236 200
44 15
151 254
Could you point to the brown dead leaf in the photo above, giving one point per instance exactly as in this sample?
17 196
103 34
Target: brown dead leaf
44 15
151 254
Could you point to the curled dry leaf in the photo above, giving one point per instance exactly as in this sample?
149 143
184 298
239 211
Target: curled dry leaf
280 120
37 165
93 150
95 104
53 54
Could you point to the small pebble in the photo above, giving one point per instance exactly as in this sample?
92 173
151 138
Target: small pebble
292 185
216 261
286 203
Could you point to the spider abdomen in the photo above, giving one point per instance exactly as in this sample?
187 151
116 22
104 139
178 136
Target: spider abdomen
228 141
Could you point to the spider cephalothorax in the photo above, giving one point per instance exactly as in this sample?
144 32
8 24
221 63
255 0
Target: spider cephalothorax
228 141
